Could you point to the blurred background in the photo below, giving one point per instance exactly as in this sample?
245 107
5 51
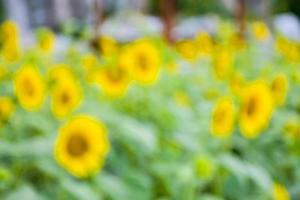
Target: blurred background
181 18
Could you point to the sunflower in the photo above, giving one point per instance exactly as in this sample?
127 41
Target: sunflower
108 45
11 51
113 80
10 39
237 42
292 128
65 97
88 62
236 83
59 73
6 109
223 118
9 31
143 61
260 31
81 146
280 192
256 108
289 49
279 87
29 87
46 40
204 43
223 61
188 49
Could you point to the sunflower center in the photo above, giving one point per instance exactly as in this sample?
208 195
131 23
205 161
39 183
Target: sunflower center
77 145
220 115
252 106
115 75
65 97
142 61
28 87
276 86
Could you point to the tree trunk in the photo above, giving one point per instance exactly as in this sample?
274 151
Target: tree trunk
168 12
241 17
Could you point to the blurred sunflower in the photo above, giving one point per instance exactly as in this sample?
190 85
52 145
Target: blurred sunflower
280 192
59 73
88 62
10 39
237 42
29 87
81 146
204 43
256 108
6 108
65 97
223 61
260 31
11 51
108 45
289 49
113 80
223 118
279 87
292 128
9 31
143 61
188 49
236 83
46 40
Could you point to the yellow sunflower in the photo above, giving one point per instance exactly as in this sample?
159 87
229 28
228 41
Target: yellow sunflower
237 42
81 146
6 108
46 40
223 118
65 98
280 192
237 82
188 49
10 39
223 61
256 108
11 51
292 128
113 80
143 61
279 87
204 43
9 31
260 31
29 87
108 45
60 73
88 62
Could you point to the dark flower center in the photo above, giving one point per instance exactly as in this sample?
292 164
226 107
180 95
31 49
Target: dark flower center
77 145
252 106
29 87
65 98
142 61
